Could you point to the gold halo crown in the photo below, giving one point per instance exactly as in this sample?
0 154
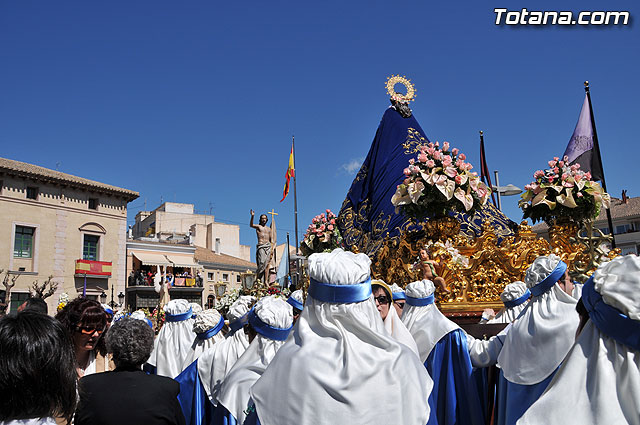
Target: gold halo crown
399 97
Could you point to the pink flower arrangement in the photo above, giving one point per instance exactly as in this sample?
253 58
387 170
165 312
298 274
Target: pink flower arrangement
563 190
439 181
322 234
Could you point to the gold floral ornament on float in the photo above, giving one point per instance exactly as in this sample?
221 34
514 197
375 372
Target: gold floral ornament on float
399 97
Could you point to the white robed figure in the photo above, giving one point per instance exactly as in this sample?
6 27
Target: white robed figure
538 340
514 297
173 343
399 298
207 326
271 319
340 366
599 380
445 354
200 381
296 299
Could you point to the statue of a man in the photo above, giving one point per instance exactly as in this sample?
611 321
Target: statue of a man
263 249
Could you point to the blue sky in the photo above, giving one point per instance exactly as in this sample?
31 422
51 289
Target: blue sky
197 102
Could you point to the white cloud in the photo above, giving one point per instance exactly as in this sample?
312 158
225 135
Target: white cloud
352 166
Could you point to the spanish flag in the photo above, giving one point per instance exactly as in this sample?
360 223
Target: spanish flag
290 173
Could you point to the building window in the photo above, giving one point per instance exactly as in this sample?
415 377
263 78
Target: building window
623 228
211 301
90 247
17 298
93 204
238 278
210 276
225 277
23 245
32 192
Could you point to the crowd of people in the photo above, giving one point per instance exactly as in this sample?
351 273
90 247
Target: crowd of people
353 350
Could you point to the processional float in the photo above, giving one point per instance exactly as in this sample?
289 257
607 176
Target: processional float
411 193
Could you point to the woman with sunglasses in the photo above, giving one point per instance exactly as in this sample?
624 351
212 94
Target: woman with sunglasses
383 296
86 322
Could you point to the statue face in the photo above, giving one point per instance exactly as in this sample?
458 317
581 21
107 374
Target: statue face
263 219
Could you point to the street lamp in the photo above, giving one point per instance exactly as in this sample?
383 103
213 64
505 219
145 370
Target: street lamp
508 190
121 299
103 297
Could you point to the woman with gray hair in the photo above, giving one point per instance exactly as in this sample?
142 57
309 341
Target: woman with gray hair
127 395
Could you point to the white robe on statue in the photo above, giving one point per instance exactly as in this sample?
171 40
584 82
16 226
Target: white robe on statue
339 365
599 380
173 343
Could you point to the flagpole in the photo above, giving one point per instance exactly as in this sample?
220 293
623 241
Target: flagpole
288 261
295 192
597 148
484 170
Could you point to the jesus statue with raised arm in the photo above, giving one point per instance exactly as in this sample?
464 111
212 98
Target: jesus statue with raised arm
264 247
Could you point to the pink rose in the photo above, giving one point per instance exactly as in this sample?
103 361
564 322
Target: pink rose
431 150
579 194
458 180
552 164
438 155
328 211
587 175
556 170
445 146
407 172
321 229
315 220
446 160
333 221
462 156
422 158
330 227
430 144
468 166
430 163
538 174
455 151
322 215
412 161
561 164
555 158
406 181
437 144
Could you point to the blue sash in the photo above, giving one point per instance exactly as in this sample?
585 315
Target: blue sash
610 321
399 296
295 303
266 330
550 280
518 301
420 302
211 332
344 294
178 317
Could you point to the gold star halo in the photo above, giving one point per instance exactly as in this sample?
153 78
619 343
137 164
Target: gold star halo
397 79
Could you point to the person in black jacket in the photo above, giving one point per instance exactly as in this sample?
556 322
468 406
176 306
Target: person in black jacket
127 395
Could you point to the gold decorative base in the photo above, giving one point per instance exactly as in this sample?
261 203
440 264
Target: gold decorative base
477 270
